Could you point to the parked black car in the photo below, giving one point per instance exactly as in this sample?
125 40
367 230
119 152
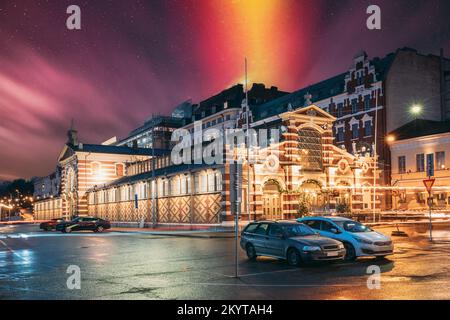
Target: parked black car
51 224
84 223
289 240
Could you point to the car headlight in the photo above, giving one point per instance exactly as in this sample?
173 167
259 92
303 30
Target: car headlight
311 248
360 240
341 246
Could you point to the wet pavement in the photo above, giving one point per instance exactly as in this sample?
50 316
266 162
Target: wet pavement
120 265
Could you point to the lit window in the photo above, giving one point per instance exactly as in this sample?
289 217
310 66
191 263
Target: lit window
420 160
401 164
95 167
211 182
218 181
310 144
440 160
119 170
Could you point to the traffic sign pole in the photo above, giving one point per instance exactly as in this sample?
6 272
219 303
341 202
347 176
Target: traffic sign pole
235 201
428 185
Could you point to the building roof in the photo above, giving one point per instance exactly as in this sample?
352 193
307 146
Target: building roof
163 121
320 90
99 148
419 128
233 96
173 169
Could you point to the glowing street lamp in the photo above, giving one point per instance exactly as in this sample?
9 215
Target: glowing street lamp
390 138
416 109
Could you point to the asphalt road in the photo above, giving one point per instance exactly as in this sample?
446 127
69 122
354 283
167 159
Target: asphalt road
33 265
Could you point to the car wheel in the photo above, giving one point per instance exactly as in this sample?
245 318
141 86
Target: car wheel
99 229
350 253
67 229
251 252
293 257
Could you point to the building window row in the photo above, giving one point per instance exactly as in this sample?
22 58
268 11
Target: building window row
435 161
355 134
173 186
354 105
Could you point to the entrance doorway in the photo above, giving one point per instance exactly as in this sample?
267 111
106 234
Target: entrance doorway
272 206
311 195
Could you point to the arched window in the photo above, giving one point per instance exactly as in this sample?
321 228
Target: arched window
183 184
175 186
70 179
160 188
211 182
218 181
310 145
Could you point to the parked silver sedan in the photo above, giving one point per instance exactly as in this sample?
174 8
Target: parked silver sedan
289 240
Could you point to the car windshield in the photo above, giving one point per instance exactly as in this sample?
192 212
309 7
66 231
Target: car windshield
353 226
295 230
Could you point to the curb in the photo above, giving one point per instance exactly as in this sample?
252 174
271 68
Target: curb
195 234
404 223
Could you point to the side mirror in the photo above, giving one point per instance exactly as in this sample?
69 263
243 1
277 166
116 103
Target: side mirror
334 230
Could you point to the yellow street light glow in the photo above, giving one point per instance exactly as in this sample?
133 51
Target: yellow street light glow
390 138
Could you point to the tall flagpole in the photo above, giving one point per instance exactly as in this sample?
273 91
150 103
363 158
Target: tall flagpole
248 142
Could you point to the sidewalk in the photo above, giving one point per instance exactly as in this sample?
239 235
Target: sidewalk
180 231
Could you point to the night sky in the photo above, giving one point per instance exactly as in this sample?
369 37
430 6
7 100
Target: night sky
133 59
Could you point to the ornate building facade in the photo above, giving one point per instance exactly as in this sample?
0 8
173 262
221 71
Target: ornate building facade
304 167
81 167
331 133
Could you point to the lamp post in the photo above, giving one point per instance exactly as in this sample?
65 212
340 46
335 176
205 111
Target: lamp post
153 186
248 143
375 156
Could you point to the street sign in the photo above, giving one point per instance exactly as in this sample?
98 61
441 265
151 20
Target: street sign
428 184
430 165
